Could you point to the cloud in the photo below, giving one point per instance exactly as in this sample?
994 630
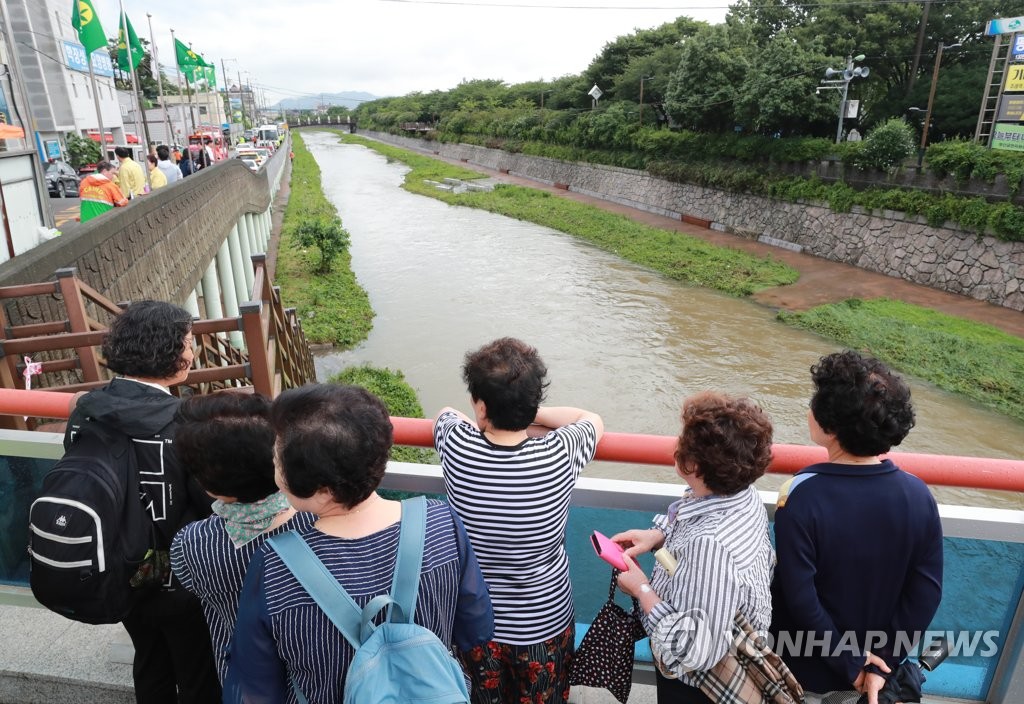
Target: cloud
306 47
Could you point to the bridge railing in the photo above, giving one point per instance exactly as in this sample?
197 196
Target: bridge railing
983 594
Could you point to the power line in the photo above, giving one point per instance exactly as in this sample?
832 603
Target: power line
675 8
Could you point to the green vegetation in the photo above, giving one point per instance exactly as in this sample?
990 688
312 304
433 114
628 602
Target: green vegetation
673 254
333 307
327 235
968 358
400 399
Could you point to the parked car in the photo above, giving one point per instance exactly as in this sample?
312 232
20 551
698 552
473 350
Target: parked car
61 179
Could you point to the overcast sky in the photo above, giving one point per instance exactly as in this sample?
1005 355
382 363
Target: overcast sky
387 47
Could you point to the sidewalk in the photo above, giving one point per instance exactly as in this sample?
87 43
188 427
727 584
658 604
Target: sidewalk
821 281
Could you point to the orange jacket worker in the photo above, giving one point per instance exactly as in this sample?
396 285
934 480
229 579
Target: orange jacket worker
99 192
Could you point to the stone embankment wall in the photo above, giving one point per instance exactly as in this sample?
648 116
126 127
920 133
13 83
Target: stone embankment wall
890 243
157 247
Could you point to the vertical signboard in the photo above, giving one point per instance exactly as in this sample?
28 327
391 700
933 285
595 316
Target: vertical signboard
1014 79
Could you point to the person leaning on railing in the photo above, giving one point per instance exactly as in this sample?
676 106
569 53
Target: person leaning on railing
717 534
859 541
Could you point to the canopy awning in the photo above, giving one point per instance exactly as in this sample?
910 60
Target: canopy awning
11 131
94 135
131 138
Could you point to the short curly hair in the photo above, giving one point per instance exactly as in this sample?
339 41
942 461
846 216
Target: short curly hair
862 402
331 436
147 339
508 376
726 441
225 441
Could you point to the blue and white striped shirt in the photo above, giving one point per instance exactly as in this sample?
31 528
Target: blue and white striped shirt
725 565
282 636
515 504
209 565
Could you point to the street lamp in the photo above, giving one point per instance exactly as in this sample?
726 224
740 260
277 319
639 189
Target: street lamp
843 78
931 98
642 79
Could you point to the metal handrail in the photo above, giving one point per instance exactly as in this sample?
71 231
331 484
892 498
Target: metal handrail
940 470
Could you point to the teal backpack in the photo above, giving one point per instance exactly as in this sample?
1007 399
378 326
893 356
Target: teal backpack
397 661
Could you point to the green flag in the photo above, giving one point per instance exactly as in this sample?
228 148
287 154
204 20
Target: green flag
211 76
187 59
90 32
128 38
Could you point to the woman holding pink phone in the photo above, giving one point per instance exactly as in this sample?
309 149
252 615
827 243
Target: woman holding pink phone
717 534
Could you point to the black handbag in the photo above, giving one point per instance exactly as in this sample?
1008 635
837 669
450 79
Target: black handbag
605 657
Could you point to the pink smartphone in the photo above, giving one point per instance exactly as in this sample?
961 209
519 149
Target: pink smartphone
609 551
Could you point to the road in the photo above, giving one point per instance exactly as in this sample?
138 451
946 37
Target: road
65 210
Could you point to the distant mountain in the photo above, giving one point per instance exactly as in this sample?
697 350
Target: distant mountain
348 99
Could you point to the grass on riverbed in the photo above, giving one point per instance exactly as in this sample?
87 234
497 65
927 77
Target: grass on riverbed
968 358
673 254
334 307
400 399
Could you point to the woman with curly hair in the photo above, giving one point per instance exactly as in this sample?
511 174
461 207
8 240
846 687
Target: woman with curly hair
859 541
717 533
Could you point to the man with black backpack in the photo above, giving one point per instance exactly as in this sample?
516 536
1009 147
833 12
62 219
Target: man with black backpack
123 433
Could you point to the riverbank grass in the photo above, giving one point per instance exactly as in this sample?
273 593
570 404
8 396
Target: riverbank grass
968 358
333 307
399 397
673 254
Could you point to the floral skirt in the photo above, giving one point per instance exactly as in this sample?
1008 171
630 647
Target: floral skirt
521 674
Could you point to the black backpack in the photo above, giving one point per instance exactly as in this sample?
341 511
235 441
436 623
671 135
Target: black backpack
90 537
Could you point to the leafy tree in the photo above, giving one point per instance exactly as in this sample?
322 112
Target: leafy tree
327 235
778 96
81 151
712 68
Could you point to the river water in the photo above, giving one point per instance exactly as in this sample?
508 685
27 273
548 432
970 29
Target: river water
618 339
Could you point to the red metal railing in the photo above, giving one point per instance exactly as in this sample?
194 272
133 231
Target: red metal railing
945 470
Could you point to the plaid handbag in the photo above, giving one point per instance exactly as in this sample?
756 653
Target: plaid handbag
750 673
605 657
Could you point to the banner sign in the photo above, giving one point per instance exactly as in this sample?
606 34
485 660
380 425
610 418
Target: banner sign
1004 26
1017 49
53 149
1014 79
74 56
1011 108
1009 137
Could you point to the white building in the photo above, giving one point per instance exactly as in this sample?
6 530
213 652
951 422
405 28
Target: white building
56 76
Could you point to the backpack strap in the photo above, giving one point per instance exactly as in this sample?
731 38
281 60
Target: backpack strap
406 583
316 579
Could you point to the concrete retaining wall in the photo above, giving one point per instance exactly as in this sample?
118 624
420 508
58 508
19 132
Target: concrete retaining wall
157 247
890 243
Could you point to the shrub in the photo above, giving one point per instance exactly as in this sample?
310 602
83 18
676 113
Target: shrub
887 146
327 235
82 151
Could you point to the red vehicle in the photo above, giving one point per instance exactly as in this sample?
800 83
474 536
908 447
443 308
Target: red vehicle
208 137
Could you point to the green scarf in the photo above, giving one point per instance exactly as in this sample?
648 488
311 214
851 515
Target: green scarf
244 522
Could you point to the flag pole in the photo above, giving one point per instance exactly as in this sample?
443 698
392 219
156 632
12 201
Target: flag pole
177 68
99 113
159 82
135 89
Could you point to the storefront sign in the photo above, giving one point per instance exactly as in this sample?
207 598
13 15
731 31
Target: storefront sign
1014 79
1011 108
1004 26
1017 48
1009 137
74 55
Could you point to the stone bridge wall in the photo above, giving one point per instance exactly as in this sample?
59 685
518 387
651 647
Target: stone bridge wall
157 247
890 243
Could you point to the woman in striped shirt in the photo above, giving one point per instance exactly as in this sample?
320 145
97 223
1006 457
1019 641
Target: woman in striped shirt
225 441
717 533
331 450
509 476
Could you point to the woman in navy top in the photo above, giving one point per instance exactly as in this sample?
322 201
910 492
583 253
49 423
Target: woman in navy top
226 442
331 452
859 541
